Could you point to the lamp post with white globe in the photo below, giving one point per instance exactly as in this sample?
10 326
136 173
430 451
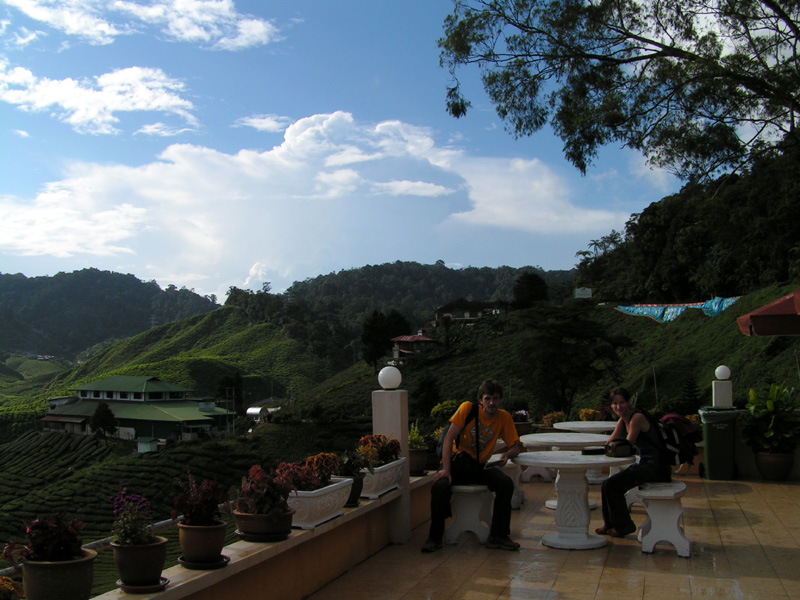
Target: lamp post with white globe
722 387
390 417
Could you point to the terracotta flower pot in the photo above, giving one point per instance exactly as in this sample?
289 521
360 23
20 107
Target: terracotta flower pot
202 543
140 564
523 427
417 461
62 579
263 528
355 491
774 466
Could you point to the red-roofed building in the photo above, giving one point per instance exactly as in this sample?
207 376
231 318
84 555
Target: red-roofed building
411 344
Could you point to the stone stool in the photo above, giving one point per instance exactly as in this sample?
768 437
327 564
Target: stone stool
632 497
664 522
472 505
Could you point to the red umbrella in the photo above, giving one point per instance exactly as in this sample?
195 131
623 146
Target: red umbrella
780 317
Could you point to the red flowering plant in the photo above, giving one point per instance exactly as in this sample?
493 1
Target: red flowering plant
50 539
133 518
379 449
301 476
199 504
323 465
263 493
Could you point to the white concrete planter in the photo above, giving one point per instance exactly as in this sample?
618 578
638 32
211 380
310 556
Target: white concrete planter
384 479
314 508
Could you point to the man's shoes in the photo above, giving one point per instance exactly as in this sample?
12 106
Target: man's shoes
621 533
602 530
431 545
502 542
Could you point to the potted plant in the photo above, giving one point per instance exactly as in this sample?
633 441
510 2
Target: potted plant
354 465
772 429
54 565
139 554
383 454
417 450
261 508
319 497
553 417
202 532
9 589
522 421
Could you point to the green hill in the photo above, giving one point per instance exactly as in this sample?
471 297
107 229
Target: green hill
661 362
198 352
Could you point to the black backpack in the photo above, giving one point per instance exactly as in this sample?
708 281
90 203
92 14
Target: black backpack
473 415
679 438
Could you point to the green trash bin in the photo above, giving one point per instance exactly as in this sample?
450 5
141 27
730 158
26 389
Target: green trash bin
719 435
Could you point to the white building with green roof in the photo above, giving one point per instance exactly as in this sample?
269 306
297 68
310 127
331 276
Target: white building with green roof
145 407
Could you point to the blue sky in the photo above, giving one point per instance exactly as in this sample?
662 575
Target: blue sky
218 143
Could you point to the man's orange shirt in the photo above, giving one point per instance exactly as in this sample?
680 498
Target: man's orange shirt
500 426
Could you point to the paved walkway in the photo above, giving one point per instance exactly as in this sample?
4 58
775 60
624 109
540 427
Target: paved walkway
745 545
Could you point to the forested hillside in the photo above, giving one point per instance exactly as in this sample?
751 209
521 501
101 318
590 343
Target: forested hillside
416 290
67 313
730 237
568 357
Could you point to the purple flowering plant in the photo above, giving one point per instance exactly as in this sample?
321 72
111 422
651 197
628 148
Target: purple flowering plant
133 518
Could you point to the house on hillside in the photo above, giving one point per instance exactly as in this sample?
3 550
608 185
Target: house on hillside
463 310
145 407
412 344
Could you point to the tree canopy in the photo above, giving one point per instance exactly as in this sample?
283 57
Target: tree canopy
103 422
696 85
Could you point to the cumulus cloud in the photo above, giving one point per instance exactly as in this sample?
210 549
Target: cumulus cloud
290 210
212 23
91 105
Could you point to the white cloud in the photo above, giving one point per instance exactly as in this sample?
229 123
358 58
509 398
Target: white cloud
411 188
286 212
24 37
661 179
74 17
161 130
268 123
525 195
21 133
90 106
214 23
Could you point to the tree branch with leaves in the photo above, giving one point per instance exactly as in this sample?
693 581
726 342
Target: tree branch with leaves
697 85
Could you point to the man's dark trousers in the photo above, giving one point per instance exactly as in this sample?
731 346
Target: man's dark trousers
465 471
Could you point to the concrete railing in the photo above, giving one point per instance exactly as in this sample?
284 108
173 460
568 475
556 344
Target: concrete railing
305 562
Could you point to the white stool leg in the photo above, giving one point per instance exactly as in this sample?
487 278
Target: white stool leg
665 526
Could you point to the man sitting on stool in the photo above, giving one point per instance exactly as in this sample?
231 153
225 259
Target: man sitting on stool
460 466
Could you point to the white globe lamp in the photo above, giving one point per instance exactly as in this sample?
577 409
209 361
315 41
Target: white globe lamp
390 378
722 372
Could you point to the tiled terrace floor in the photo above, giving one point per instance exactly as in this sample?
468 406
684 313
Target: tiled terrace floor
745 544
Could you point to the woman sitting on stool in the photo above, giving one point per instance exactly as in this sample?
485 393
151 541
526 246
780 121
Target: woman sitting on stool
637 429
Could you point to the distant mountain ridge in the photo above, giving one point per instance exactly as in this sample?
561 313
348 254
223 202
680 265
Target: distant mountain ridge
67 313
